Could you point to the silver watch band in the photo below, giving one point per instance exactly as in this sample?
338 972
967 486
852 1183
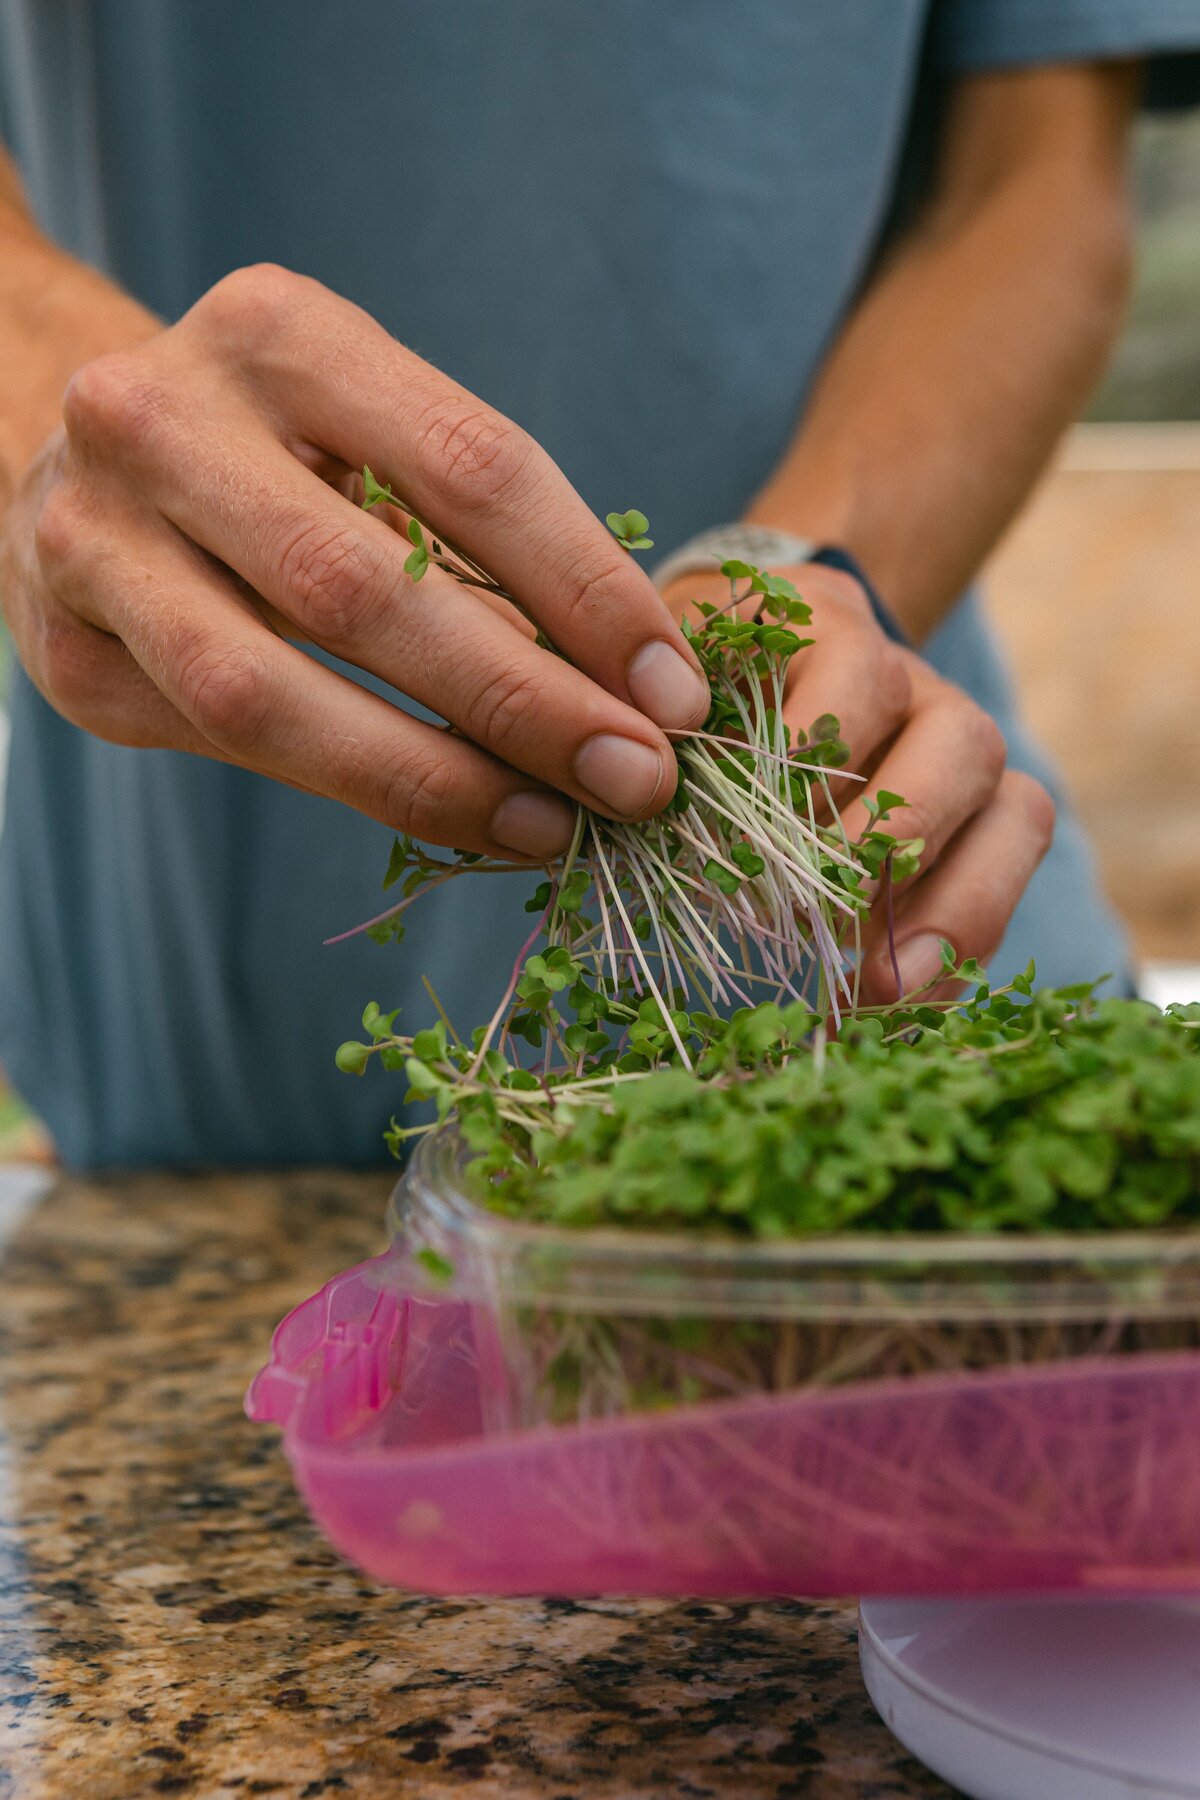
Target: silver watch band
761 545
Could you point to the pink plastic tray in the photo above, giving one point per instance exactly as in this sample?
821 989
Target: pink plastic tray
1078 1475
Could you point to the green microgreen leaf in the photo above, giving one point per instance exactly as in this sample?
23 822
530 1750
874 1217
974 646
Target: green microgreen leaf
375 492
351 1057
630 528
438 1267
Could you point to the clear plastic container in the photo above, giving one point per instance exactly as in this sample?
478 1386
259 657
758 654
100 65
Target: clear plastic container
875 1416
571 1325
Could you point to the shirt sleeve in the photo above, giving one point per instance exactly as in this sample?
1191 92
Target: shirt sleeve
973 35
6 124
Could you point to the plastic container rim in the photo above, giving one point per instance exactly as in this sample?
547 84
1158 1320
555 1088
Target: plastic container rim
435 1167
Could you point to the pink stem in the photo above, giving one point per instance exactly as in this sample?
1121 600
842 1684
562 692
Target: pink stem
522 953
391 912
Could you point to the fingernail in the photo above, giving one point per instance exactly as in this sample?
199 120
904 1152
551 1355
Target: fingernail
919 960
623 774
666 688
538 825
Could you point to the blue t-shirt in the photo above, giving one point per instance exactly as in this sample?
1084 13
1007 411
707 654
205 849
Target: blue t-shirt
632 227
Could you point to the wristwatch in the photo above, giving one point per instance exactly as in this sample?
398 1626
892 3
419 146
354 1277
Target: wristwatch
703 554
767 548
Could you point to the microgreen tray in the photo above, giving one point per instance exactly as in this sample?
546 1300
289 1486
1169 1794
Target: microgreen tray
498 1407
577 1324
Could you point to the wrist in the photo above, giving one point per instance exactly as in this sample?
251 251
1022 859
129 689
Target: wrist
766 546
833 556
738 541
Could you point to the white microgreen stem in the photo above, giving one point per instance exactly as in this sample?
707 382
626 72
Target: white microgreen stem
790 759
765 831
619 904
780 806
691 923
440 1010
668 954
606 920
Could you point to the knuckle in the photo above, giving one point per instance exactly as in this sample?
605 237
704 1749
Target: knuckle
990 747
224 688
249 301
417 795
883 671
328 578
1037 805
473 455
978 737
91 394
893 680
57 529
498 713
113 400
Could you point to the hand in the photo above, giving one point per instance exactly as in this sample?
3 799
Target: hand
195 512
986 827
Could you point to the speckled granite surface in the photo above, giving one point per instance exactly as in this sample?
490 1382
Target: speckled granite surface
170 1623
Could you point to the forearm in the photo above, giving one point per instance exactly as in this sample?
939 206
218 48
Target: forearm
975 346
55 313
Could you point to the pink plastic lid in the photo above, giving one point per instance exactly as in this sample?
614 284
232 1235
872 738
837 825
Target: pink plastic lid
1078 1475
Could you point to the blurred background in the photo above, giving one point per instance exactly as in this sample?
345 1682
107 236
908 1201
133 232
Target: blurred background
1096 593
1096 590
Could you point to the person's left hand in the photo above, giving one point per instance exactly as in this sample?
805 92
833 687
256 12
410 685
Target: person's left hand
986 827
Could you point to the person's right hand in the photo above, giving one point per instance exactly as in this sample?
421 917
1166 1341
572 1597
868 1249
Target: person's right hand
193 513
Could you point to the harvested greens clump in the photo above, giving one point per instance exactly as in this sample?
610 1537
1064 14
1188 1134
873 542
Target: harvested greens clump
680 1041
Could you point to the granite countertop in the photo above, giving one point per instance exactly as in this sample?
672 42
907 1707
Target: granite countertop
170 1622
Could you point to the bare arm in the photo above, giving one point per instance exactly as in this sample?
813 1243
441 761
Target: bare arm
977 343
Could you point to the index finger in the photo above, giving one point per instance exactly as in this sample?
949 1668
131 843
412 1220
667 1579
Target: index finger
476 476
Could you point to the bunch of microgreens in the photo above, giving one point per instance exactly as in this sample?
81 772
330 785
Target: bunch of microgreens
1018 1110
746 886
681 1039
